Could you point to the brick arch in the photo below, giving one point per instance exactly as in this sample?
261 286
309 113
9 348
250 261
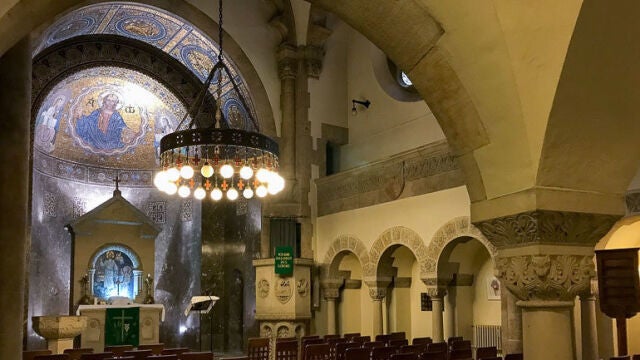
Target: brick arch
397 235
341 244
453 229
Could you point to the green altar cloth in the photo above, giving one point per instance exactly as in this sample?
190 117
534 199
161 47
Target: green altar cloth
121 326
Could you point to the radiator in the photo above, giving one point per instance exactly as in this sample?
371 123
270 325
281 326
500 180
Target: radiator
487 335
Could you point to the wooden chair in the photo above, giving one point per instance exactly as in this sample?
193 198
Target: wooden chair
384 338
625 357
287 350
333 346
121 358
438 347
201 355
174 351
453 339
405 356
361 339
398 342
74 354
460 354
411 349
156 349
399 335
290 338
421 340
460 344
51 357
138 354
166 357
331 336
434 355
302 339
373 344
513 357
309 341
342 348
383 353
30 354
96 356
635 357
316 352
118 349
350 336
486 352
357 354
490 358
258 349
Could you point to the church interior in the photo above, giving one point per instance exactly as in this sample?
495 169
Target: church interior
451 169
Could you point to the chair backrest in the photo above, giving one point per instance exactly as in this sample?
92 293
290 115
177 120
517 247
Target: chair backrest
258 348
490 358
52 357
361 339
118 349
156 349
399 335
287 350
517 356
311 341
121 358
461 344
286 339
635 357
138 354
383 337
30 354
302 339
350 336
74 354
331 336
174 351
437 347
625 357
201 355
404 356
316 352
373 344
414 349
341 349
421 340
166 357
357 354
333 346
383 353
486 352
460 354
398 342
453 339
434 355
96 356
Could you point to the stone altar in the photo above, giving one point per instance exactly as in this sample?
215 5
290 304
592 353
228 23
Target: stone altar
93 335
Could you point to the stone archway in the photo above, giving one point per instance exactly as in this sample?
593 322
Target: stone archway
453 229
398 235
341 244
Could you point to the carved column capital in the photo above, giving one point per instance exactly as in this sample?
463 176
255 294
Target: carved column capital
546 227
313 56
331 288
378 289
287 62
546 277
436 293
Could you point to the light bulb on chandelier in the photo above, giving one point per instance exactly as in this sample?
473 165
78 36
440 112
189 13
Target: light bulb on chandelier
217 159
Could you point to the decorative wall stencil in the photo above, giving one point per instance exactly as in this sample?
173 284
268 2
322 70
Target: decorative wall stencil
241 206
79 206
157 211
163 30
263 288
186 210
49 205
283 290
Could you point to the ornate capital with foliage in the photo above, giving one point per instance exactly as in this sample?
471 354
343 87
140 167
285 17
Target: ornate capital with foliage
377 293
546 277
435 292
547 227
287 62
331 288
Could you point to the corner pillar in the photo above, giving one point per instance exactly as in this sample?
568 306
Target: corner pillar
437 320
331 292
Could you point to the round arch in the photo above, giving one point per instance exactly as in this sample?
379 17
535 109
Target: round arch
398 235
453 229
135 259
337 250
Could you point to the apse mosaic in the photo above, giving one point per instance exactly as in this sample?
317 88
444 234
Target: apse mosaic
113 275
165 31
107 116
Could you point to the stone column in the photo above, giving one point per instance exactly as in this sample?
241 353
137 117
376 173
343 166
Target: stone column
288 70
437 321
448 312
15 100
588 326
545 259
513 325
377 293
331 292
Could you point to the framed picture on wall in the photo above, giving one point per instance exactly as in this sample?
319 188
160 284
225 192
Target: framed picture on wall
493 288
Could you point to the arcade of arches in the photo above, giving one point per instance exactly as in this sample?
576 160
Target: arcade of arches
443 207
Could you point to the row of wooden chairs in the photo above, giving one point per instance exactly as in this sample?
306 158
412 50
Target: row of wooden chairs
152 351
626 357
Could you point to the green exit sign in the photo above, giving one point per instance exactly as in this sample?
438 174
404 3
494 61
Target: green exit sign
284 260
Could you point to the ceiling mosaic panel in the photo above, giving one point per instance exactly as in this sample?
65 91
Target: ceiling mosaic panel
107 116
173 35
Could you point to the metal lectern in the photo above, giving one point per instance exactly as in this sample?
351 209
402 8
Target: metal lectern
202 305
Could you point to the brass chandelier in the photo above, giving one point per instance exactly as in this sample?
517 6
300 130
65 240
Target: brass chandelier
218 162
